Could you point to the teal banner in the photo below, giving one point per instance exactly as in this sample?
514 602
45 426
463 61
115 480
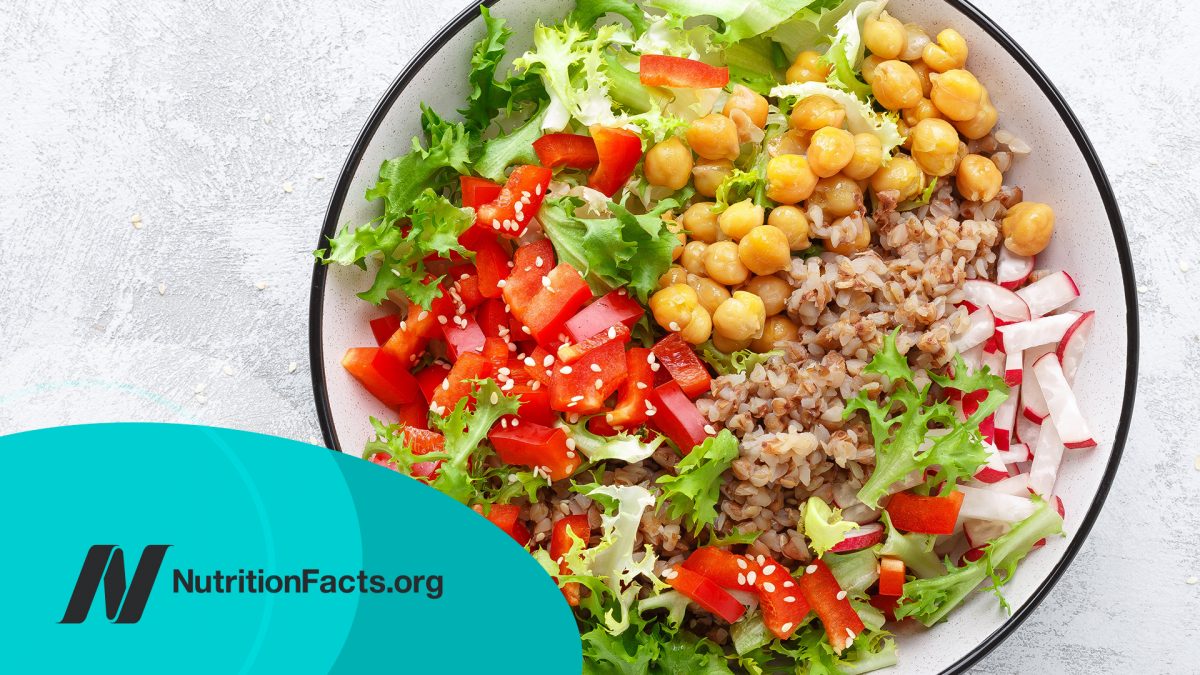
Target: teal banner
165 548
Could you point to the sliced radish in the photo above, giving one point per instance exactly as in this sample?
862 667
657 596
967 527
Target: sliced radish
1070 349
1014 362
1016 453
980 532
1011 269
1013 485
994 470
1005 418
1034 333
973 357
1049 293
1064 410
1047 457
985 504
983 325
994 360
1033 403
1005 304
863 537
1027 431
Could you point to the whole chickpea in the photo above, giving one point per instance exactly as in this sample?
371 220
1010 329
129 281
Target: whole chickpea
915 39
982 123
765 250
957 94
901 174
861 241
869 64
867 158
674 275
708 176
668 164
923 110
741 317
700 222
935 146
674 306
837 196
816 112
978 179
737 220
884 35
830 151
807 68
699 328
948 53
748 101
772 290
793 222
777 329
790 142
724 265
693 257
714 136
727 346
896 85
711 293
923 73
790 179
1028 227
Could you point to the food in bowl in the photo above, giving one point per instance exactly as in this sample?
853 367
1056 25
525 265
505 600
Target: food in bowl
727 312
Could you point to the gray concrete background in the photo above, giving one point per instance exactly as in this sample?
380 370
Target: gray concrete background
164 169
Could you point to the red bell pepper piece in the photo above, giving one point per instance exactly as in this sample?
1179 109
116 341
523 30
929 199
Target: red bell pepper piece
383 328
683 365
783 606
704 592
477 191
891 576
383 378
560 545
583 386
535 404
826 598
925 515
465 288
535 445
463 335
408 342
570 353
492 317
613 308
563 292
631 411
495 350
526 186
531 262
886 604
601 427
491 261
469 366
619 150
728 570
573 150
415 414
421 442
540 364
429 379
506 517
657 70
677 417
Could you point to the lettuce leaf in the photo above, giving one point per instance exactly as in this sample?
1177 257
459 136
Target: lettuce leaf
740 19
623 446
856 571
587 11
823 525
514 147
846 52
571 64
488 95
860 116
741 361
693 491
916 550
734 538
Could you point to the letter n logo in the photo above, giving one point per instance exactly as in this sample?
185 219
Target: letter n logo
123 604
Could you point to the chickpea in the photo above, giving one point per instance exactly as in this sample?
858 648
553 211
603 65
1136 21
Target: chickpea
923 110
830 151
699 328
867 158
901 174
790 179
861 241
915 39
723 264
896 85
982 123
748 101
869 64
1027 228
790 142
978 179
793 222
741 317
737 220
674 306
923 72
714 137
711 293
773 292
935 146
948 53
668 164
674 275
693 257
837 196
708 176
815 112
957 94
700 222
727 346
807 68
884 35
777 329
765 250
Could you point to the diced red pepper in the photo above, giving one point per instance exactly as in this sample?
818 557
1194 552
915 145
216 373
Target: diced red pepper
891 576
415 414
677 417
925 515
430 378
383 328
600 426
469 366
421 442
463 335
783 606
728 570
506 517
535 404
619 151
491 262
531 262
535 445
570 353
886 604
526 186
540 365
409 341
583 386
573 150
630 411
682 364
612 308
472 238
658 70
560 545
824 595
563 292
477 191
495 350
466 286
384 378
491 317
705 592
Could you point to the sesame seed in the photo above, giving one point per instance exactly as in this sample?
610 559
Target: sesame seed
261 285
136 221
790 598
571 404
504 372
537 189
227 370
768 587
599 384
525 195
546 282
650 357
548 361
1191 581
495 398
741 563
673 326
841 595
446 385
570 444
654 367
565 370
525 329
761 560
572 418
529 361
288 187
512 478
769 570
495 223
502 283
516 423
608 417
442 320
162 289
535 385
570 455
786 627
503 423
810 569
708 429
751 577
741 579
641 385
576 398
595 367
849 634
788 584
518 207
421 317
612 333
292 367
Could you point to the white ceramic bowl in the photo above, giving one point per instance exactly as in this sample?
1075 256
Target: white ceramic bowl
1063 171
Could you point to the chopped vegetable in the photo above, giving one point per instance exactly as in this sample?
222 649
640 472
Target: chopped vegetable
518 202
570 150
831 604
657 70
824 526
692 492
385 378
682 365
705 593
925 515
674 414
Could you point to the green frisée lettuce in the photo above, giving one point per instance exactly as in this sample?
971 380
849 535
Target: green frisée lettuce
916 550
741 361
861 118
587 11
846 52
488 95
855 572
823 525
621 446
570 62
693 491
921 199
740 19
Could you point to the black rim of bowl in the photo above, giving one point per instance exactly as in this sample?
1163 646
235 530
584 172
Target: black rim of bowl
470 13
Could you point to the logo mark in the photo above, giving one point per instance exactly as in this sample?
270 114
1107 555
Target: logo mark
123 603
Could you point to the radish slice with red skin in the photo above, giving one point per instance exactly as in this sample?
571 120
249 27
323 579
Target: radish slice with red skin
1016 453
1014 362
1005 304
1044 330
1013 485
863 537
1049 293
982 327
1047 457
1011 269
1027 432
986 504
980 532
1070 349
1005 418
994 470
1033 404
1065 414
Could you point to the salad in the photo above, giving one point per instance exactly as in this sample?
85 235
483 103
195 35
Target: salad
726 312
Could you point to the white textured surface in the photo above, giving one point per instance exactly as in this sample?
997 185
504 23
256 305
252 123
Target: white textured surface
195 116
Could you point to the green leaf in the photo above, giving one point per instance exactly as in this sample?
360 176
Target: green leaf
622 446
514 147
693 491
856 571
489 96
586 13
916 550
734 538
741 361
846 52
823 525
738 186
402 179
920 200
570 61
740 19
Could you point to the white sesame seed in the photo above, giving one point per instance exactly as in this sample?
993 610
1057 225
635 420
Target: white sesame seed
565 370
529 361
789 583
612 333
790 598
516 423
654 367
292 367
288 187
673 326
810 569
741 579
535 385
537 189
761 560
711 431
420 317
786 627
595 367
162 289
546 282
841 595
548 361
741 563
572 418
446 385
570 443
503 423
849 634
571 404
136 221
751 577
599 384
502 283
261 285
495 223
1192 581
227 370
442 320
495 398
525 329
768 570
512 478
641 385
768 587
1184 266
576 398
518 207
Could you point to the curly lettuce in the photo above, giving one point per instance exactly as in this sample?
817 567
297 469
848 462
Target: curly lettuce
823 525
693 491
